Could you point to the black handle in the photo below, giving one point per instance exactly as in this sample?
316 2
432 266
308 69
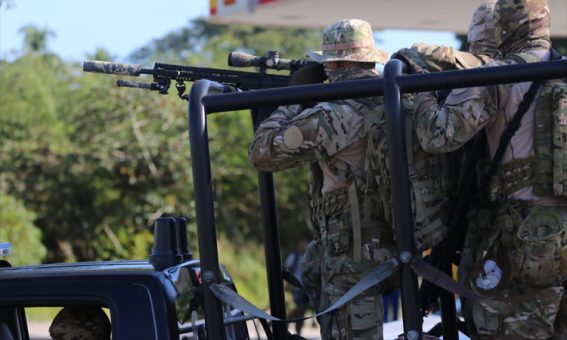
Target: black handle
126 83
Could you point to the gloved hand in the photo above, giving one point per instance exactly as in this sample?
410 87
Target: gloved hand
410 57
308 74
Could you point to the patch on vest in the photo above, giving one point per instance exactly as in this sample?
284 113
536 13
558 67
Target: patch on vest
292 137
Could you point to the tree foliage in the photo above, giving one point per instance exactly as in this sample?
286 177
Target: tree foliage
19 230
98 164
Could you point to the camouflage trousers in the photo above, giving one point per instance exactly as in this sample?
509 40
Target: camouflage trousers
529 247
329 272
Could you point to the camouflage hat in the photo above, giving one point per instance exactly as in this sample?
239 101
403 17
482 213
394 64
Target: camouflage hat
521 24
80 323
481 37
349 40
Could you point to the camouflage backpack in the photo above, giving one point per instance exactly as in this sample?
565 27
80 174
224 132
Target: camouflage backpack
431 179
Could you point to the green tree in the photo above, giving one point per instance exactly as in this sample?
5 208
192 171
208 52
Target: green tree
35 39
98 164
17 227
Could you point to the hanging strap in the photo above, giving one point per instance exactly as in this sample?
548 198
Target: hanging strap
379 274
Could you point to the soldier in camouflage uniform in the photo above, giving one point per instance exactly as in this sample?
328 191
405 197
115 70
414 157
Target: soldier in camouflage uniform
520 259
346 146
80 323
482 48
351 234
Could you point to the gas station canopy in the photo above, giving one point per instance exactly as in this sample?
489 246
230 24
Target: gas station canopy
435 15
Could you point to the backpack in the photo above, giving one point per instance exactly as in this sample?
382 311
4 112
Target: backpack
431 180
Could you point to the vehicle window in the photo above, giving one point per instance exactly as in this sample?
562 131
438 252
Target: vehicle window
59 320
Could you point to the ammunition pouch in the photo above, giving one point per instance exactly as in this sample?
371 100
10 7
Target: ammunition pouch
511 177
526 246
528 242
541 238
336 220
550 140
329 215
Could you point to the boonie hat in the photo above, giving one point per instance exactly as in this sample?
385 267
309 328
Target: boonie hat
349 40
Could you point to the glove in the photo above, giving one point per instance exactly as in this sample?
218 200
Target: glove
412 60
308 74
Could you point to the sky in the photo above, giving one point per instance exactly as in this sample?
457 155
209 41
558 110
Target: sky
122 26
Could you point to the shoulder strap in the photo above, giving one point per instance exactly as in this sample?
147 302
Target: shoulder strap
509 132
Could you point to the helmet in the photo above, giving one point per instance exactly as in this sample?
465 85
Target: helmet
80 323
481 37
349 40
521 24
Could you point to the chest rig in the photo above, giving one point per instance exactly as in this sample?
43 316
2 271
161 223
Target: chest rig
366 202
349 217
546 169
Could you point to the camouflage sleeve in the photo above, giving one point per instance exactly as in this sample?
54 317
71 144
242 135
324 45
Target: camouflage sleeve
290 139
446 127
444 58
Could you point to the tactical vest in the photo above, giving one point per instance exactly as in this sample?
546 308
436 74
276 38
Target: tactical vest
430 182
546 170
359 202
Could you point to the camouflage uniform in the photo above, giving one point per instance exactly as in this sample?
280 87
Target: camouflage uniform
482 49
518 258
80 323
351 234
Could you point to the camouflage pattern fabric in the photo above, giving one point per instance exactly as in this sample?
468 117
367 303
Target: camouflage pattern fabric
430 194
521 24
332 136
532 240
109 67
447 127
349 40
311 263
291 137
519 253
480 37
80 323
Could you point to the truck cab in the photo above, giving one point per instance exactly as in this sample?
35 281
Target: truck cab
143 300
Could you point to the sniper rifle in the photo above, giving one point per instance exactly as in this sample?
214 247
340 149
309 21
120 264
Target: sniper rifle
163 74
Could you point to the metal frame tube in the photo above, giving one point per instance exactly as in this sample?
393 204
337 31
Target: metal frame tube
401 199
374 87
352 89
204 209
272 246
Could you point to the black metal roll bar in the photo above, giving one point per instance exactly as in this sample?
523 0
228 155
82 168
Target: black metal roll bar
392 85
